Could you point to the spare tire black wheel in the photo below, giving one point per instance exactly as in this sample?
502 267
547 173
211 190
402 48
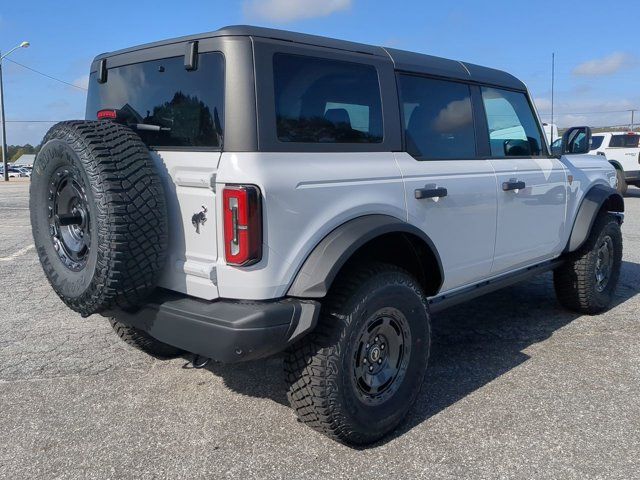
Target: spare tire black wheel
98 215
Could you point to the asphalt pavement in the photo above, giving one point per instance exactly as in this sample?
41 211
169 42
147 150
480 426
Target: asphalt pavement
517 388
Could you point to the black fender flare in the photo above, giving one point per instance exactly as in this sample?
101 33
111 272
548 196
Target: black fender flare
591 205
325 261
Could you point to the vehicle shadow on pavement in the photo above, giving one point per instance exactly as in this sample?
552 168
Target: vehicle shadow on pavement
472 345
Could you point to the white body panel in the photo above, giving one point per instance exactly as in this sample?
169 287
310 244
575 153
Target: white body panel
188 178
531 221
305 196
462 225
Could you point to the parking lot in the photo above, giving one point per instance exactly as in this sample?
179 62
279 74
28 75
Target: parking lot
517 388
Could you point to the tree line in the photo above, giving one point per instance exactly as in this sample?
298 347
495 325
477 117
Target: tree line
16 151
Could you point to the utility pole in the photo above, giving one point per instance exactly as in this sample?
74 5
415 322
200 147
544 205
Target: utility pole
4 130
553 81
5 159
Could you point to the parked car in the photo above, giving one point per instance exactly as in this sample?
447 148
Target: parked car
622 149
24 170
313 196
13 172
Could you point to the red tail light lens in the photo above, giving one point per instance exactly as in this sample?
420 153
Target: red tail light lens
242 224
107 114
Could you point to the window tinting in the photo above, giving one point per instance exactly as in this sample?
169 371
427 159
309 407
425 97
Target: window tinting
184 107
438 119
326 101
596 141
624 141
513 130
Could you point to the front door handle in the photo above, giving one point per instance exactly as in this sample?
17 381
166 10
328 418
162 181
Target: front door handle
513 185
430 191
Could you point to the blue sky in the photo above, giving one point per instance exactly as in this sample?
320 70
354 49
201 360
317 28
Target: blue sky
597 58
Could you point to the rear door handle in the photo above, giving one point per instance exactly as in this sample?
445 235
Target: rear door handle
513 185
430 191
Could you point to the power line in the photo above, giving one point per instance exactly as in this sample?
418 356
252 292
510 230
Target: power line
592 113
34 121
46 75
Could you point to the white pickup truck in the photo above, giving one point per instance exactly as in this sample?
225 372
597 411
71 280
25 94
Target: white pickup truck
622 149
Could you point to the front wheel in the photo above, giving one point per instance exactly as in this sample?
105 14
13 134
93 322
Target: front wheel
356 376
587 281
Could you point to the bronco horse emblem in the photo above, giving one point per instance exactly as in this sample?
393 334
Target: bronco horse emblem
199 218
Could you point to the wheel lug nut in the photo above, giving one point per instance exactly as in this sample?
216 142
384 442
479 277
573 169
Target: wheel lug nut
375 339
364 361
382 346
379 361
371 369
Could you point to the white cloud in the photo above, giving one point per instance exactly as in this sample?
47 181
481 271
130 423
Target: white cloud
606 65
283 11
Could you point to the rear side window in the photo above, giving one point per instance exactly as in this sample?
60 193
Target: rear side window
513 130
326 101
624 141
167 105
596 141
438 118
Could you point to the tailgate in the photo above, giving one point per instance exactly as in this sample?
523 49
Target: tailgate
191 261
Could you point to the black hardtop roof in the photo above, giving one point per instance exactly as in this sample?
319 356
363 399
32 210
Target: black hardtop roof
403 60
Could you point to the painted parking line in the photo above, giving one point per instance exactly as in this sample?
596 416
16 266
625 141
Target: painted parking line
17 254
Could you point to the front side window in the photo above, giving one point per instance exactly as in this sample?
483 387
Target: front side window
596 141
513 129
624 141
438 118
319 100
167 105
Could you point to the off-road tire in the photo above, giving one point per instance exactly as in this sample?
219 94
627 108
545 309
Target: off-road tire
575 281
143 341
126 215
318 368
623 186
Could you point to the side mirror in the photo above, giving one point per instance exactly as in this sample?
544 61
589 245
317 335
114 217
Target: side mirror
576 140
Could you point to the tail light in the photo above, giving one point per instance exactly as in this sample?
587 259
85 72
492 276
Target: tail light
242 224
107 114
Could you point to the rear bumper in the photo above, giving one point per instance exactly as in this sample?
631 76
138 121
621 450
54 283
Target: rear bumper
225 330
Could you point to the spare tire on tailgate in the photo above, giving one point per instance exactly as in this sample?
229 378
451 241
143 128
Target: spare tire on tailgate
98 215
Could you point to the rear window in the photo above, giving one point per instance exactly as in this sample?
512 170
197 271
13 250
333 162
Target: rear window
596 141
166 104
326 101
624 141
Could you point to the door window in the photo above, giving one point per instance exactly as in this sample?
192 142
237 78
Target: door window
326 101
513 129
596 141
438 118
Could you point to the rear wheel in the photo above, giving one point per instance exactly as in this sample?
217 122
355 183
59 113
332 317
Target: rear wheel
143 341
622 182
587 281
356 376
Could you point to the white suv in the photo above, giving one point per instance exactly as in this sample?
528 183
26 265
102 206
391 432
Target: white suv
250 191
623 152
